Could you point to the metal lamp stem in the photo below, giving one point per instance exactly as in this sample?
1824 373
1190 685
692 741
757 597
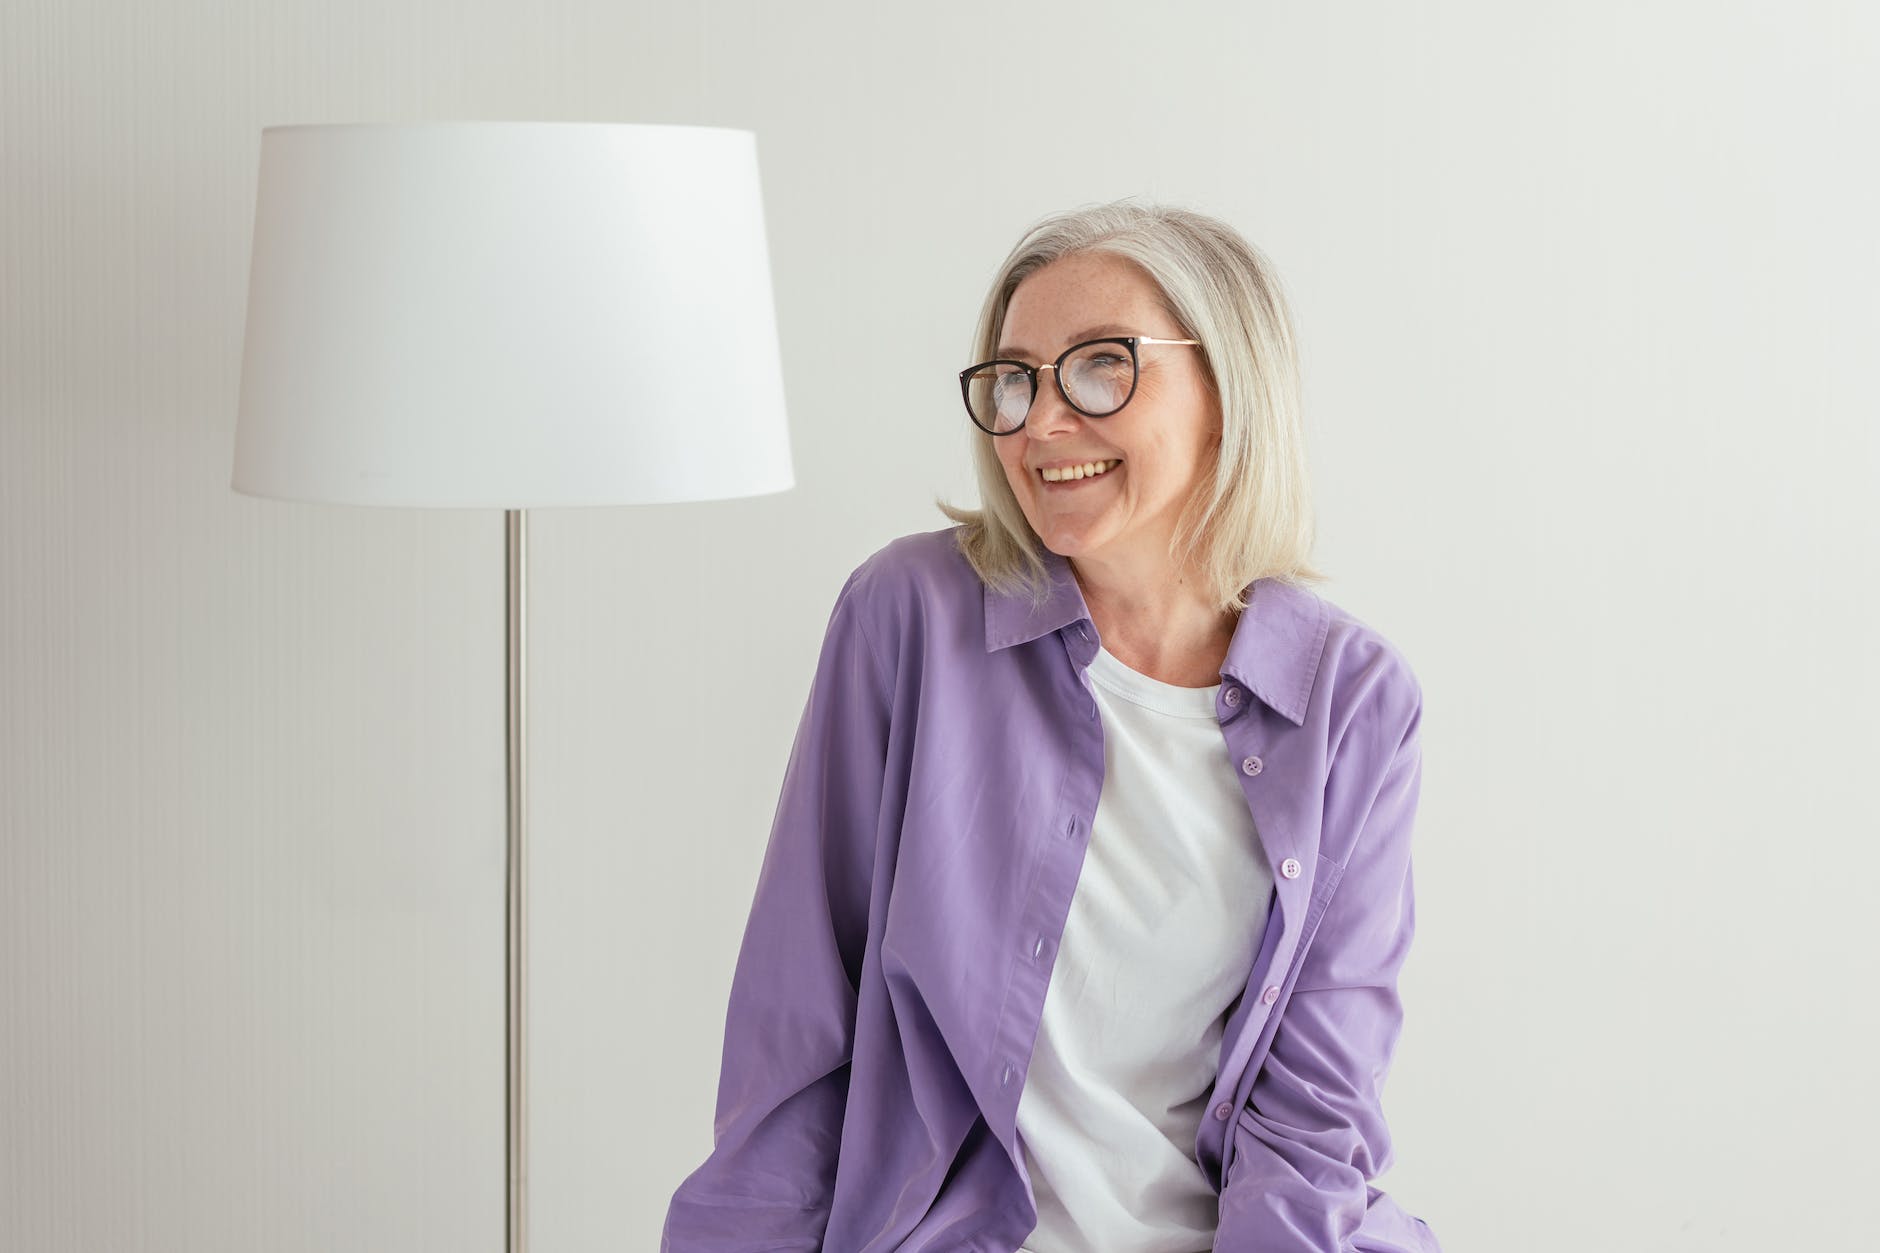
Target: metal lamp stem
516 565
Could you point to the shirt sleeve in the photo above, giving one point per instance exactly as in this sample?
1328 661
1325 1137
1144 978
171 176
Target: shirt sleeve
790 1021
1312 1135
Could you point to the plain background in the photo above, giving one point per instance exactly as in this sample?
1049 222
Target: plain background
1587 297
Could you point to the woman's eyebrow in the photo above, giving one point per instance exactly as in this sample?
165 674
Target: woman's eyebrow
1095 332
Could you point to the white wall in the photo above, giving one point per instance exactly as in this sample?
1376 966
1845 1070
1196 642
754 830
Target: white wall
1587 295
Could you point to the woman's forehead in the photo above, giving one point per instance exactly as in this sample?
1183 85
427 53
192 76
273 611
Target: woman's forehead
1064 303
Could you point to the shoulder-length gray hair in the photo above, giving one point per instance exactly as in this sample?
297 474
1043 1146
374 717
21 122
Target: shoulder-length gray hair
1256 522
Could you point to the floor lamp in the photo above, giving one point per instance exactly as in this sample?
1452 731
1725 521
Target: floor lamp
510 315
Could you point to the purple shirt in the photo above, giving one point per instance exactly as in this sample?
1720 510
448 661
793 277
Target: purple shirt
919 872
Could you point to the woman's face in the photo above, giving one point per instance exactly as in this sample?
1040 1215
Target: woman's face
1166 436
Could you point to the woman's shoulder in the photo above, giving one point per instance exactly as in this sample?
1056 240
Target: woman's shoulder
1365 680
915 576
922 555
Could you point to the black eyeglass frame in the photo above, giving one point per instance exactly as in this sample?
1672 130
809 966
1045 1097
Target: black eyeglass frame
1057 374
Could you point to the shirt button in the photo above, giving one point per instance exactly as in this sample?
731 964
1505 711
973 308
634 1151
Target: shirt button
1222 1110
1270 995
1231 696
1006 1077
1251 765
1038 947
1290 868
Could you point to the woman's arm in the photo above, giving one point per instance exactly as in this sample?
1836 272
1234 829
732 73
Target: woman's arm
790 1023
1313 1135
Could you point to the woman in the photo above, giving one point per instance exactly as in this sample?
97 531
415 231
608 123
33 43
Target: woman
1081 918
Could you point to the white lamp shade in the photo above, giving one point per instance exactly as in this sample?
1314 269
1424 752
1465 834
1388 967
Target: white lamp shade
510 315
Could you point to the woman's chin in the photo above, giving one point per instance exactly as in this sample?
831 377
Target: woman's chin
1069 537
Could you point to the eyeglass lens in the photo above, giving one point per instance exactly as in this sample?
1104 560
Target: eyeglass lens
1097 378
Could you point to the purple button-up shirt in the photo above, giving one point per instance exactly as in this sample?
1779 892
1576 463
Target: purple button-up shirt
931 828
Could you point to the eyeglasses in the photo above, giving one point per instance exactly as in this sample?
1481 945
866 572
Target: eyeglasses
1094 377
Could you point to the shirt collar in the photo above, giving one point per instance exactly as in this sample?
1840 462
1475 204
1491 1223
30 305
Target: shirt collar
1274 653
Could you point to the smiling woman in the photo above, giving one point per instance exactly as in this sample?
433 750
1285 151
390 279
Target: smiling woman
1081 918
1161 421
1214 489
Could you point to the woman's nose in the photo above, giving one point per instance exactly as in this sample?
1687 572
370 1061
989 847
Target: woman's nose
1049 410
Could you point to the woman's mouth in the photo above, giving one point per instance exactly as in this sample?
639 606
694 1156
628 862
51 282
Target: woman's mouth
1069 478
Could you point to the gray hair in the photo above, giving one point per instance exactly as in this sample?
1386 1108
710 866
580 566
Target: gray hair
1257 520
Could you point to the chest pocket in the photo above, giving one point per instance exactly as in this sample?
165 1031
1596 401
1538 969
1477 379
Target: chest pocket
1324 882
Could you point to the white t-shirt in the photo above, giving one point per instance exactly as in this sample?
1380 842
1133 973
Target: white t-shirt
1170 903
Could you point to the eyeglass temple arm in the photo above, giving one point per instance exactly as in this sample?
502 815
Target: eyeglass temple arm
1140 339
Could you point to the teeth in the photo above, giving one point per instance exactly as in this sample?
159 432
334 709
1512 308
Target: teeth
1087 470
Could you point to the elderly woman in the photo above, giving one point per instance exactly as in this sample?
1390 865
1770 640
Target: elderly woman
1080 922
